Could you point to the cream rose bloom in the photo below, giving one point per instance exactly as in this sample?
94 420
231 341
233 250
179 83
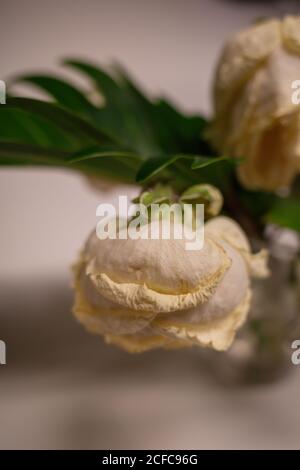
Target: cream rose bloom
143 294
255 117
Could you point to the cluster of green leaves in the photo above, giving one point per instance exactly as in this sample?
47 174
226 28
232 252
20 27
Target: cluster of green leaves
116 132
127 137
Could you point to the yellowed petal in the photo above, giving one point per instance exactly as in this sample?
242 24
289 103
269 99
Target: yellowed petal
242 55
164 265
214 323
217 334
154 275
229 294
273 155
255 117
228 230
101 316
291 33
141 298
140 343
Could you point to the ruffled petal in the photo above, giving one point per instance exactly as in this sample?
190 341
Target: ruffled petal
217 334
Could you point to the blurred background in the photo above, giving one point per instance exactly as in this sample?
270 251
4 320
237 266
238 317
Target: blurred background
61 387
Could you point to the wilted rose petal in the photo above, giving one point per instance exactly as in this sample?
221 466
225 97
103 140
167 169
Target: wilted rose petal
143 294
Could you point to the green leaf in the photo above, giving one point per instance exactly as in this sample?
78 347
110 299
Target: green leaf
23 127
173 131
122 115
179 132
63 92
116 137
12 154
156 165
120 162
147 126
286 213
115 162
76 126
102 80
202 162
100 152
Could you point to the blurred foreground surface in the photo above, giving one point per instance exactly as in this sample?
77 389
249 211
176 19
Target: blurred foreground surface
64 389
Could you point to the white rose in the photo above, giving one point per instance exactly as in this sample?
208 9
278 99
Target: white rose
142 294
255 115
